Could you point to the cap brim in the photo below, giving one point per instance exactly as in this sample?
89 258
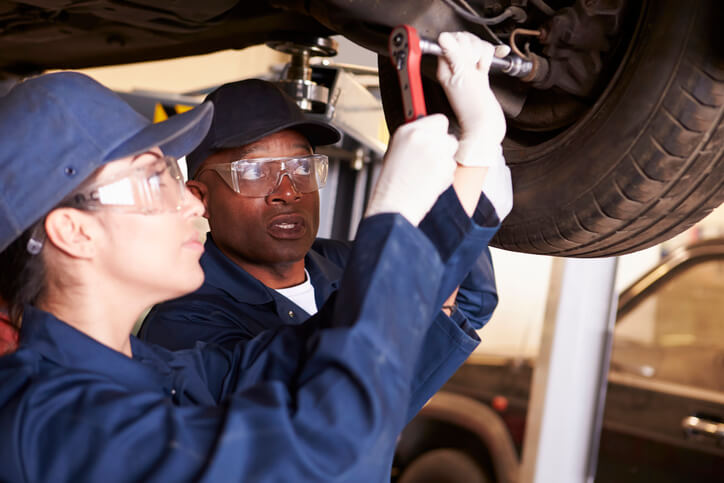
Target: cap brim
177 136
318 133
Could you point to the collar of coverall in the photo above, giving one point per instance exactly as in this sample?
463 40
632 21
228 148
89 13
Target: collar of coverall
224 274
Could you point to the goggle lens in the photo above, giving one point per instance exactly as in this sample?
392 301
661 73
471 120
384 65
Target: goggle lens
260 177
156 187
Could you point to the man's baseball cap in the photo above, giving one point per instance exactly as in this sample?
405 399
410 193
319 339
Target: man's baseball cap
248 110
57 129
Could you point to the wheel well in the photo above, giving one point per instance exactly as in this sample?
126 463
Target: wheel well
454 421
426 434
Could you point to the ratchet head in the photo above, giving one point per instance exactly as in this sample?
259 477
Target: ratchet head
404 49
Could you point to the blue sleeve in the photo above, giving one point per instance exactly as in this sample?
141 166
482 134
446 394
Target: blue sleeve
328 401
459 239
478 295
464 244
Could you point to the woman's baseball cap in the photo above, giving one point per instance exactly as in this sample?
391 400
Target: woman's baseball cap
57 129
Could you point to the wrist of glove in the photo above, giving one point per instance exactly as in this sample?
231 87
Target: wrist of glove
418 167
477 152
498 187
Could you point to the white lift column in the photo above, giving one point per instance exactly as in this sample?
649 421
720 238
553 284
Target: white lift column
569 383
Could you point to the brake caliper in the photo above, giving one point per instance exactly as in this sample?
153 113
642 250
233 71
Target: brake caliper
575 40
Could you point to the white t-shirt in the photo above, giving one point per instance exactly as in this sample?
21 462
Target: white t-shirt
302 294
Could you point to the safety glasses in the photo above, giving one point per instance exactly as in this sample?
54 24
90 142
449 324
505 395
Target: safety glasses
260 177
151 187
156 186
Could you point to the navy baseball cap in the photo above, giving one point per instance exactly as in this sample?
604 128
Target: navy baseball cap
57 129
248 110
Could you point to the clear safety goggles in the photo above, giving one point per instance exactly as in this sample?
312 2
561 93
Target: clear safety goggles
153 187
260 177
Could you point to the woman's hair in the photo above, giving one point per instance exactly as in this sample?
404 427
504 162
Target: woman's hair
22 275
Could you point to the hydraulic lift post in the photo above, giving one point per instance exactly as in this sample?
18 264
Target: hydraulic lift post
569 383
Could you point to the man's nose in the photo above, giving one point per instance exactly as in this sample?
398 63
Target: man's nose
285 192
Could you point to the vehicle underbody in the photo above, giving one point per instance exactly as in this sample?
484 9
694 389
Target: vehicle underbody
611 139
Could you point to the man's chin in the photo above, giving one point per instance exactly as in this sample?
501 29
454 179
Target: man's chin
290 251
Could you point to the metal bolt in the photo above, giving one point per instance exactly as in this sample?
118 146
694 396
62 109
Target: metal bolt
359 160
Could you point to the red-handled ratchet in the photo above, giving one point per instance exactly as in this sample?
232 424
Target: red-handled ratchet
405 52
406 49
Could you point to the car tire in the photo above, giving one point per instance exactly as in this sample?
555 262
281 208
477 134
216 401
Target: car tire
643 164
445 465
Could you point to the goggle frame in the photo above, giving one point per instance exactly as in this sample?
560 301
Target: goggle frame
233 174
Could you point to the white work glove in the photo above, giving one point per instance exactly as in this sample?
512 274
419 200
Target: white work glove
418 167
463 74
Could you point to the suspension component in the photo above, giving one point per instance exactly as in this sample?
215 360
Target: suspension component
297 77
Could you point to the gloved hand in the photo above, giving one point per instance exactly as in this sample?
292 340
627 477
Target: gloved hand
463 73
418 167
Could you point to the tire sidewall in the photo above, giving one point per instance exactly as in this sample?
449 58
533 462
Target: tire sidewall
556 173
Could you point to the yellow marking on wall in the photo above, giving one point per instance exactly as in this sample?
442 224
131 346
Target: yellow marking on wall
383 134
159 113
181 108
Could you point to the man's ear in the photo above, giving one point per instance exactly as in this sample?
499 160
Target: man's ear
201 191
73 232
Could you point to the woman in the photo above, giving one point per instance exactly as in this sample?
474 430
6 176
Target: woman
96 225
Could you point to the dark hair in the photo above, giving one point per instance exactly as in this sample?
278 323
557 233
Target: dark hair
22 275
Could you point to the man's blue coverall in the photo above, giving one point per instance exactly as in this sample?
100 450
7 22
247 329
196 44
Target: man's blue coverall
232 305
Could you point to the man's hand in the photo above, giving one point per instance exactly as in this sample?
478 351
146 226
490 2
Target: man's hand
463 74
418 167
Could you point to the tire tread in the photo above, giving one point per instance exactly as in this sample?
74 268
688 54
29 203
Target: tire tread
661 185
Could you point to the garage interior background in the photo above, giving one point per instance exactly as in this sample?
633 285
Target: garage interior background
522 279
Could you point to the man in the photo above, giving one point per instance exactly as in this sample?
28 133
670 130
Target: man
266 243
264 267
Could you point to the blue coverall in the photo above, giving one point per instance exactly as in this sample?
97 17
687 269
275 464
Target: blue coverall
232 305
313 402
